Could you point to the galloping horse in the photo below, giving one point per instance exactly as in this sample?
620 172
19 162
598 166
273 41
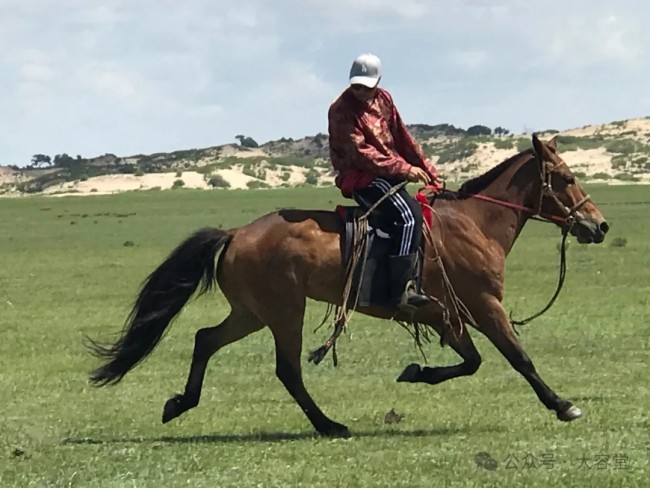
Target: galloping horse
269 267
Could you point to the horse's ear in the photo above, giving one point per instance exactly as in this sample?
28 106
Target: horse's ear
553 143
538 145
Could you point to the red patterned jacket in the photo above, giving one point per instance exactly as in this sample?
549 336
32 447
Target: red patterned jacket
370 140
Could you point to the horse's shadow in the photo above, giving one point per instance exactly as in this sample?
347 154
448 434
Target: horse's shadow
280 436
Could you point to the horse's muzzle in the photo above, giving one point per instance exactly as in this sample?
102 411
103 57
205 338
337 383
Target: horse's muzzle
589 230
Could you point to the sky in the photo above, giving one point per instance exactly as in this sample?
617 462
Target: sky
126 77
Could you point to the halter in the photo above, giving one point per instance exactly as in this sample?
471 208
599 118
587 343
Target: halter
546 177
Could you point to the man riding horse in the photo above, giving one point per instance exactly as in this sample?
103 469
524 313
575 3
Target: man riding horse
372 151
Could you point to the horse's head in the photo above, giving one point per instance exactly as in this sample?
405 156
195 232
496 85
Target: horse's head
564 198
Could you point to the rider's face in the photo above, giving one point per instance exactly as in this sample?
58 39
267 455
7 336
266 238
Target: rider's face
362 92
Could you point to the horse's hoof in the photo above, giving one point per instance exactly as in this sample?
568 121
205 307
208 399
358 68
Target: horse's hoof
570 414
410 373
317 355
172 409
336 431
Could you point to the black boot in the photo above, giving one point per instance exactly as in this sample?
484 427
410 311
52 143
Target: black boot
404 294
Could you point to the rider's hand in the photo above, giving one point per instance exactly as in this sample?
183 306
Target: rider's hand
437 182
418 174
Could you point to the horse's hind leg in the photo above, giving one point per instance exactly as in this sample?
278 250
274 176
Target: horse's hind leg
494 323
208 341
462 344
286 321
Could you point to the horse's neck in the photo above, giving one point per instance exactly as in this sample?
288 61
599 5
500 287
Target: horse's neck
499 222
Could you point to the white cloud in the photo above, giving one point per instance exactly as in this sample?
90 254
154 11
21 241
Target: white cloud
36 72
114 84
584 40
166 75
206 111
244 16
470 60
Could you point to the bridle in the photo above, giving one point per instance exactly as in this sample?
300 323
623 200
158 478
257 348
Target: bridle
567 220
546 177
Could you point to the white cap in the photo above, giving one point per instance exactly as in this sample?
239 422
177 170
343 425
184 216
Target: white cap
365 70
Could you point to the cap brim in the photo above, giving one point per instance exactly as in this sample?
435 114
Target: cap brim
364 80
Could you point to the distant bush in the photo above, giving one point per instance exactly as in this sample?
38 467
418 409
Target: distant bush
246 141
469 167
249 171
523 144
218 181
311 178
618 242
601 176
285 176
139 173
254 184
30 187
619 161
190 154
504 144
430 150
179 174
319 139
302 161
479 130
573 143
625 177
461 149
622 146
425 131
178 184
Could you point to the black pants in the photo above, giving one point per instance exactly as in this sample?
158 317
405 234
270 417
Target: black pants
403 212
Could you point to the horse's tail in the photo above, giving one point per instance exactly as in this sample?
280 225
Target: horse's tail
161 298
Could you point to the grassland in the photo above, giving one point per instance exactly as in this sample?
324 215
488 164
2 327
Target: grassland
73 265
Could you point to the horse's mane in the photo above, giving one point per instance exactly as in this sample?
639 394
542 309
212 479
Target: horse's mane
480 182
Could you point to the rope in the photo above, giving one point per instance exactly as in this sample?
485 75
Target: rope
459 308
343 313
565 234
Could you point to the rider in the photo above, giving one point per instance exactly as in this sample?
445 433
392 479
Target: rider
372 151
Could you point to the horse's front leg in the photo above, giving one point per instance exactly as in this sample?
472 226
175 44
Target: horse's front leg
493 322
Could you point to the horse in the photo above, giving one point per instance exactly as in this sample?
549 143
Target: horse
267 268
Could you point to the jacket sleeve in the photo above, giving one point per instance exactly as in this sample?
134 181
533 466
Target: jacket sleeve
408 147
349 143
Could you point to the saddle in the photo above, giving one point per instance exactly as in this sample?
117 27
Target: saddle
368 243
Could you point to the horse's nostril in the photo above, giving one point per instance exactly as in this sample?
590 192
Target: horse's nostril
604 227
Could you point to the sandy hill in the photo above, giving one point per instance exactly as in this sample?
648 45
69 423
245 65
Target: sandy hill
613 152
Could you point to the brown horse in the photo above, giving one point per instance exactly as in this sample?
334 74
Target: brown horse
270 266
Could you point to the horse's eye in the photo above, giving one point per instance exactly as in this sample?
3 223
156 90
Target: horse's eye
570 180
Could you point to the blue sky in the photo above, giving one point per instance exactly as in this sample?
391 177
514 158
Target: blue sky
141 76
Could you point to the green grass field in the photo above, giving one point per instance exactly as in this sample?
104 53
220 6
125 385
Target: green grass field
72 266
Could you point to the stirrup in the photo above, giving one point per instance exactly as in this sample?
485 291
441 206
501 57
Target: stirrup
411 299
